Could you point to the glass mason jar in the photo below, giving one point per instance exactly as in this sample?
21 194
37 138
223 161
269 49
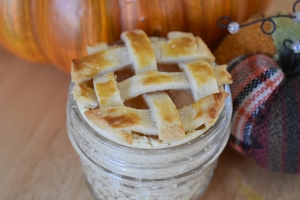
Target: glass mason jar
115 171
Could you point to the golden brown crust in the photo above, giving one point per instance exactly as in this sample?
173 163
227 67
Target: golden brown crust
166 117
85 95
179 47
156 78
101 62
201 77
107 91
162 116
111 123
107 123
152 81
120 121
204 51
140 50
122 118
89 66
110 59
158 117
204 111
222 75
216 102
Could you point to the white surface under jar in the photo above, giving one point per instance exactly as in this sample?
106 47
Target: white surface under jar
114 171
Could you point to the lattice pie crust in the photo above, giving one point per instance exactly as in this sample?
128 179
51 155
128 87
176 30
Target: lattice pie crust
157 90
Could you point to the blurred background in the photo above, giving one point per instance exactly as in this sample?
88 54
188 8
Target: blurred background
56 31
37 160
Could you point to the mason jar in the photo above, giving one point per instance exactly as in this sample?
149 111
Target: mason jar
115 171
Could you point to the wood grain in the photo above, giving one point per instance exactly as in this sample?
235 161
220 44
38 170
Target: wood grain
37 160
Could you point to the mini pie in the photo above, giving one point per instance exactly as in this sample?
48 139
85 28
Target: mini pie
150 90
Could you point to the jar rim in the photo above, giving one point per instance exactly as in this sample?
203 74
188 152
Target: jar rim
222 123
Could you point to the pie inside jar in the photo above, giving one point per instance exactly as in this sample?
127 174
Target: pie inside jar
150 92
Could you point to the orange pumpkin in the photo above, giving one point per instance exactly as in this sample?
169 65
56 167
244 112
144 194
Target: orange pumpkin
56 31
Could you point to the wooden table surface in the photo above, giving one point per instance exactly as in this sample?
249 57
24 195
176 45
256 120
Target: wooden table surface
37 160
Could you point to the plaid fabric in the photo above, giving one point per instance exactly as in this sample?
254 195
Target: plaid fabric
276 136
266 113
254 80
